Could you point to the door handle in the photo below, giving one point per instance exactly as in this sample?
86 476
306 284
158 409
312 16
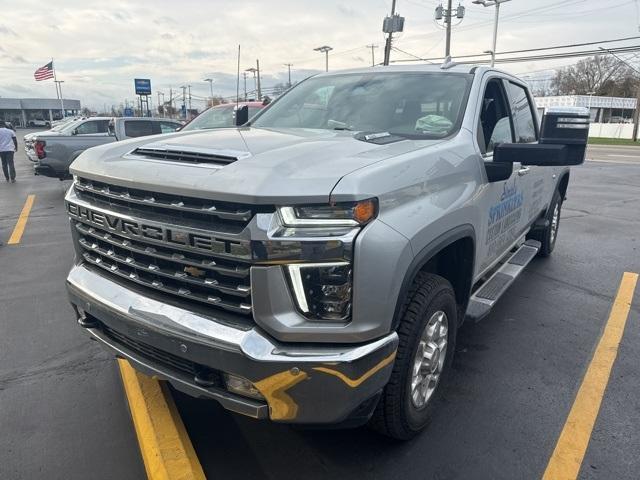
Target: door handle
523 171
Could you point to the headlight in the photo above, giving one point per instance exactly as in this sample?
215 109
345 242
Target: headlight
338 215
322 290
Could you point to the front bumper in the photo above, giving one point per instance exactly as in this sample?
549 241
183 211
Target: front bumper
301 383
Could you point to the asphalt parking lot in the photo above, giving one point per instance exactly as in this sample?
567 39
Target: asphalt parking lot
63 413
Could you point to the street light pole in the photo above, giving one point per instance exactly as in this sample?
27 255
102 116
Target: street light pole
289 65
325 49
255 81
496 3
210 80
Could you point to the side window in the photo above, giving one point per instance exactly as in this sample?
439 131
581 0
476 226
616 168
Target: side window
495 124
522 112
138 128
168 127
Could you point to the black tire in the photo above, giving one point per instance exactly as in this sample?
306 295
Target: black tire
396 415
547 237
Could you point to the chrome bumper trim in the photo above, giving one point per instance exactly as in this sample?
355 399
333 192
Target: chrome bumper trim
87 288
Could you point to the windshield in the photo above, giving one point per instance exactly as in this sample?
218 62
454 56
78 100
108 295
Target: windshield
415 105
217 117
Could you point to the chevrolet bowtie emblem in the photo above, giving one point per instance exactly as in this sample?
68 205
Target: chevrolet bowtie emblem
194 272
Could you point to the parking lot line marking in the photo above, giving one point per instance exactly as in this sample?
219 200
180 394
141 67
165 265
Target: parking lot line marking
566 460
18 230
166 449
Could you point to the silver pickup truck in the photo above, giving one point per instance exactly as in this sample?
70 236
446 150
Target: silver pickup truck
54 150
314 265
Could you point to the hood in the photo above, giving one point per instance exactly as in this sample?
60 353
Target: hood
274 166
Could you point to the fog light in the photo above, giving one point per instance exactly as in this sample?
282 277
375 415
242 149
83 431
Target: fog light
241 386
322 290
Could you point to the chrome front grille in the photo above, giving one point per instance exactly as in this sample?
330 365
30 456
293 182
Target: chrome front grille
222 217
110 222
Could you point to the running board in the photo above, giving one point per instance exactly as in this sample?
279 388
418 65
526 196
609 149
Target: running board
483 300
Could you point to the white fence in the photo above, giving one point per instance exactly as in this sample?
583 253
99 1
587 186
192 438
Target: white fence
611 130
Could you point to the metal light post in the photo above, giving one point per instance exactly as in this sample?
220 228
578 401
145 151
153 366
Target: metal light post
325 49
210 80
289 65
62 111
491 3
255 81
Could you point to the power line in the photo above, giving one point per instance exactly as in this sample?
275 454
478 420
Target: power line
528 50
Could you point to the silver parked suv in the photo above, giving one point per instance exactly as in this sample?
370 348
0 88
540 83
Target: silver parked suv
314 265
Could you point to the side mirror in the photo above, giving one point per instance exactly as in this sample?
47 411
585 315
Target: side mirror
563 140
74 131
242 115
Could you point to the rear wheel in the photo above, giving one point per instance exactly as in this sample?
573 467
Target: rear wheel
427 334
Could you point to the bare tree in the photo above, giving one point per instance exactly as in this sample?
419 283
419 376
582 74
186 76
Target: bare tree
601 74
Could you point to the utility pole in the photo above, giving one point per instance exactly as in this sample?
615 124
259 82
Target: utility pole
184 101
326 49
373 55
387 46
189 111
447 20
491 3
171 101
258 71
289 65
447 15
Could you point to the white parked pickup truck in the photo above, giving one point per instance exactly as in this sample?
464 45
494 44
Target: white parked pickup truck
55 150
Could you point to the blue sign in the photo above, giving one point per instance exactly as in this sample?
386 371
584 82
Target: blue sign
128 112
143 86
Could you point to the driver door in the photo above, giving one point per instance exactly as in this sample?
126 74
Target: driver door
502 198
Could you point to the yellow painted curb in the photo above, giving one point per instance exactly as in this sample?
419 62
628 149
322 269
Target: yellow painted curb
166 449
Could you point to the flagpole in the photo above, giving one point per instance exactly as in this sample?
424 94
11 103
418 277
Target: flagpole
55 79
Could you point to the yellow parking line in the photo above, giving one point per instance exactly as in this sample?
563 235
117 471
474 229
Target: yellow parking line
166 449
18 230
567 457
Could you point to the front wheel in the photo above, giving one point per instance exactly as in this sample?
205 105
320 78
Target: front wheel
427 333
549 235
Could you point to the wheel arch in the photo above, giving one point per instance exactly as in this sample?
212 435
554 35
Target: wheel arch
450 255
563 184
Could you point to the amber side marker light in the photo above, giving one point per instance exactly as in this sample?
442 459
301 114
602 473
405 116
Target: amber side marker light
364 211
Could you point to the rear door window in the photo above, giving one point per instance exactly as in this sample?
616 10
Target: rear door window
138 128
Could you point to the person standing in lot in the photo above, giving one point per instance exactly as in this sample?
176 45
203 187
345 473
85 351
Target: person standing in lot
8 146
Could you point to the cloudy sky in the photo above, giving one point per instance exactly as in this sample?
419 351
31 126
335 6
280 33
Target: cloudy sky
100 46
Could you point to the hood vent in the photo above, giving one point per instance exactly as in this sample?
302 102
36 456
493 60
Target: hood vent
188 155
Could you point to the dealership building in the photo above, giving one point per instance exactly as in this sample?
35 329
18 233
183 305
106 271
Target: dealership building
20 111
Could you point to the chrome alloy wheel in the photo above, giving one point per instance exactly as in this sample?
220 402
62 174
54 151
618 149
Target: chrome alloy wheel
428 362
555 220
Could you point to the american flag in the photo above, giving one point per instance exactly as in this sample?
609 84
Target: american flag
44 73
